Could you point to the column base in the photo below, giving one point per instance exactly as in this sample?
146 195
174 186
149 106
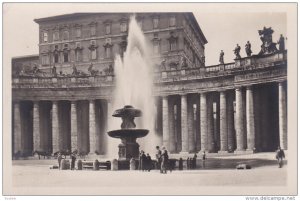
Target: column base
92 156
184 153
223 152
243 151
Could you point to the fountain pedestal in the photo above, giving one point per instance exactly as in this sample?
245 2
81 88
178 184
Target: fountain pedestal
128 148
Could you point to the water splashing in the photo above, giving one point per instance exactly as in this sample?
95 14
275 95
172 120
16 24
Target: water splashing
133 75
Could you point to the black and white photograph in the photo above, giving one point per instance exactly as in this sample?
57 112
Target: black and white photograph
150 99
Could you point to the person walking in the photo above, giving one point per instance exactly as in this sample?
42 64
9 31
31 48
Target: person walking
280 156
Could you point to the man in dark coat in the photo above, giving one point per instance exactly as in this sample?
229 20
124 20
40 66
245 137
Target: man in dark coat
73 159
164 161
280 156
149 162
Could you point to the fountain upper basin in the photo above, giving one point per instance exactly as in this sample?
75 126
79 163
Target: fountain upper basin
128 132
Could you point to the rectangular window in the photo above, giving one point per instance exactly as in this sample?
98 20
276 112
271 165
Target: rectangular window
93 30
173 45
66 35
45 60
107 29
78 55
56 57
94 54
45 37
78 32
107 52
172 21
66 57
155 23
123 27
156 47
56 36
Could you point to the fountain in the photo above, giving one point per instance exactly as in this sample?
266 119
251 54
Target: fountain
134 86
128 148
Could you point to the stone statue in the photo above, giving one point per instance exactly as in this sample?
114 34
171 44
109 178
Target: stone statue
92 71
268 46
281 43
203 59
75 72
237 51
53 72
183 62
248 49
221 58
163 65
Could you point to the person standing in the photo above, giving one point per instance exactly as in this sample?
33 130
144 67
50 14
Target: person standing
158 158
149 162
59 158
203 159
73 159
164 161
280 156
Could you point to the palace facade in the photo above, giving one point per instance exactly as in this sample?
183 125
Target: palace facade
61 98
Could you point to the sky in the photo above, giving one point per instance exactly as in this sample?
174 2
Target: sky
224 25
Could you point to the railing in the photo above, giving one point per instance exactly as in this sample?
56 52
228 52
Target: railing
253 62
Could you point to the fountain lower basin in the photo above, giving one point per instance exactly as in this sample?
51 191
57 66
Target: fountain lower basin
128 132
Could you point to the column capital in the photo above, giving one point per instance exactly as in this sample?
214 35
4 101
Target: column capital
92 101
238 89
249 87
55 102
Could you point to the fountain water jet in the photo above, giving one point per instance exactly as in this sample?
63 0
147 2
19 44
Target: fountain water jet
133 75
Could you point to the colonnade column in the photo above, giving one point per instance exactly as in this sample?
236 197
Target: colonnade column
17 128
184 127
55 127
203 121
250 119
165 118
239 120
210 125
74 132
92 127
223 123
230 123
282 116
36 127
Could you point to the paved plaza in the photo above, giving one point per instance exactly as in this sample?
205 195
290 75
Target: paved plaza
36 174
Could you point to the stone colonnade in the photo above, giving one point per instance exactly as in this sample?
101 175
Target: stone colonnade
60 126
251 118
244 119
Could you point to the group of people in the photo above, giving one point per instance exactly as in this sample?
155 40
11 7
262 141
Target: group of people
145 161
162 158
60 157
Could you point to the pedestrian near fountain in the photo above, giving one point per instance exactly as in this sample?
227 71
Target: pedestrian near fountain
164 161
149 162
158 158
73 159
59 158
